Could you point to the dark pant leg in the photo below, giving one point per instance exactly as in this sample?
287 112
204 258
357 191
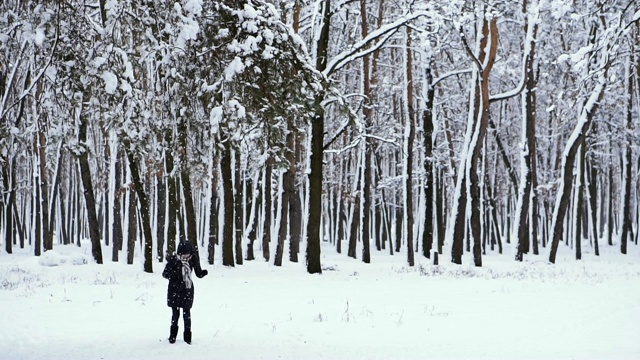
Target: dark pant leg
175 316
187 318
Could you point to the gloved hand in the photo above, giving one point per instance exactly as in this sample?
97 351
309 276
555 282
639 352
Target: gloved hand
205 273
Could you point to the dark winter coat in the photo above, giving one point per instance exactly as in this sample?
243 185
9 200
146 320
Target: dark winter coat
178 295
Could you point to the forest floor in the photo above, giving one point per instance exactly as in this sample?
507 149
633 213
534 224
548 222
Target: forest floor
64 306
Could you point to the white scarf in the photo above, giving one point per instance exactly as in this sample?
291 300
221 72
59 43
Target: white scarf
186 269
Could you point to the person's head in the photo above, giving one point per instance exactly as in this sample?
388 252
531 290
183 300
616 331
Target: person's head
185 248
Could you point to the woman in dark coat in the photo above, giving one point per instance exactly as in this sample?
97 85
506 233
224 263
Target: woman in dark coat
180 291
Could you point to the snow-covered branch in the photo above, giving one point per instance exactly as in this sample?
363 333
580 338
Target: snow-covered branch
450 74
361 48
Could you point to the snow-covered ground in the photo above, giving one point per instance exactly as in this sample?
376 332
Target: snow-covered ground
63 306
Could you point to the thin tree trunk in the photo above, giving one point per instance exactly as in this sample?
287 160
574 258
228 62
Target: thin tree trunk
116 231
494 216
317 143
172 188
227 186
45 219
399 216
268 209
238 201
355 218
440 212
90 202
471 148
54 198
534 211
295 202
367 112
610 208
37 217
256 205
427 127
593 204
341 219
580 200
490 41
568 160
213 210
627 231
185 179
8 179
144 208
161 213
505 157
287 191
378 210
133 231
410 139
526 207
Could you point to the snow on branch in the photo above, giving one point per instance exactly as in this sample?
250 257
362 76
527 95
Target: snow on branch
450 74
361 49
35 81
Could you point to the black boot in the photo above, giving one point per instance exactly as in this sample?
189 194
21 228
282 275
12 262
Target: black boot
187 336
173 333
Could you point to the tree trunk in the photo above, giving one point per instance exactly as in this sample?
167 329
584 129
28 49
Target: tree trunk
580 200
185 177
161 213
340 219
427 127
593 204
355 218
172 188
8 179
189 208
411 133
268 210
255 203
626 211
494 216
399 215
54 198
527 192
478 122
568 160
213 210
295 204
37 217
490 41
238 215
133 231
440 210
367 112
315 191
144 208
287 191
116 242
47 236
610 208
317 152
227 186
89 198
295 201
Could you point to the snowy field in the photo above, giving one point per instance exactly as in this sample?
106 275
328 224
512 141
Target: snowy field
63 306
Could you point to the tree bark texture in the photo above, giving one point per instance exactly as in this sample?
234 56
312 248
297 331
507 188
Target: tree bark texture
227 186
87 185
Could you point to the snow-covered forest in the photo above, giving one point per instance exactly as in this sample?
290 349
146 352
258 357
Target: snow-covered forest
270 130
